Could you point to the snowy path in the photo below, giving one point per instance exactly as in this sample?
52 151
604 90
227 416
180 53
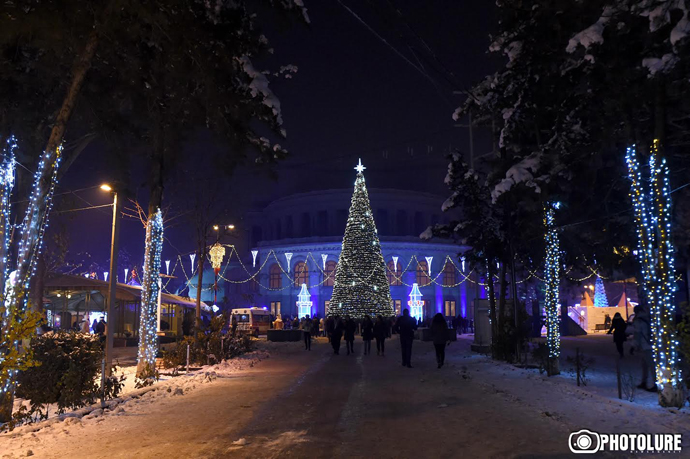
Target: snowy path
315 404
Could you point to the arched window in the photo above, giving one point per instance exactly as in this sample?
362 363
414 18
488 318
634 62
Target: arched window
301 274
423 278
394 277
449 275
329 274
275 277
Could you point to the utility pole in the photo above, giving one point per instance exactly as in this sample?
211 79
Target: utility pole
112 287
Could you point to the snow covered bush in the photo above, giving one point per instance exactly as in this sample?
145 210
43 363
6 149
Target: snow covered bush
68 366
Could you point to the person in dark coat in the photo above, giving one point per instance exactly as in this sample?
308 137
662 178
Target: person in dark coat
405 327
618 327
367 334
439 335
337 334
349 335
306 332
330 326
380 332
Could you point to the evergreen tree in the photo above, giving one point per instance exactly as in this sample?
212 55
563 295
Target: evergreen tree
361 287
600 298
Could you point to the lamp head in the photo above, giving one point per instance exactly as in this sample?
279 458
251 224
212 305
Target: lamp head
106 187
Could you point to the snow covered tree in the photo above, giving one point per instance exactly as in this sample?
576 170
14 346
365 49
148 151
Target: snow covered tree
600 299
361 287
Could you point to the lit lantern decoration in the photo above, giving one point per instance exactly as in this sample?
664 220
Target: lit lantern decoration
416 304
192 256
395 265
428 264
304 302
254 254
217 252
324 257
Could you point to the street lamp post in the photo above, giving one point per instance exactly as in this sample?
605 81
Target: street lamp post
112 286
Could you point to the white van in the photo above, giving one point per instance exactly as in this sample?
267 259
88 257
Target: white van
255 321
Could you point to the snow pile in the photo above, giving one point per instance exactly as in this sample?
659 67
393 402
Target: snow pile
655 65
133 399
592 34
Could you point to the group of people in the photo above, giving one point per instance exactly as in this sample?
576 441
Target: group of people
641 343
346 328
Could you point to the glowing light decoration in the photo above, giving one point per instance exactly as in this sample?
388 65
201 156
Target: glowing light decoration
600 299
30 234
304 302
254 254
428 264
324 257
217 252
462 262
167 267
652 208
126 271
395 265
105 276
192 256
148 339
551 300
288 257
360 286
416 304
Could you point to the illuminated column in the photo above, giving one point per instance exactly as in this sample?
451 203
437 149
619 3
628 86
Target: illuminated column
416 304
303 302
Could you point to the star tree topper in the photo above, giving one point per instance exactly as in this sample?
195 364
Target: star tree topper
360 168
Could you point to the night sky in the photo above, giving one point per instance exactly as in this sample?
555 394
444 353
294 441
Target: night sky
352 97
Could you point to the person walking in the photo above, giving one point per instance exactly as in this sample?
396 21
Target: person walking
233 325
440 338
618 327
405 327
380 332
337 334
322 327
330 326
349 332
643 345
367 334
306 332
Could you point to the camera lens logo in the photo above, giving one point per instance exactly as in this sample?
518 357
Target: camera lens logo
584 442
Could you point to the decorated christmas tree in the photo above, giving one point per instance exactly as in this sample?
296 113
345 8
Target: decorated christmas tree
360 287
600 299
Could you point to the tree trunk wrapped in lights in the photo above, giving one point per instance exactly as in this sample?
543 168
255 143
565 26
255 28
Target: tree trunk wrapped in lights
360 287
148 339
551 306
655 252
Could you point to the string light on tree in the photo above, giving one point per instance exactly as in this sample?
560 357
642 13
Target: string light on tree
551 300
360 287
148 339
652 207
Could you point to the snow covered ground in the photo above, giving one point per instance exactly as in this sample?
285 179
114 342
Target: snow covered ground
281 401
